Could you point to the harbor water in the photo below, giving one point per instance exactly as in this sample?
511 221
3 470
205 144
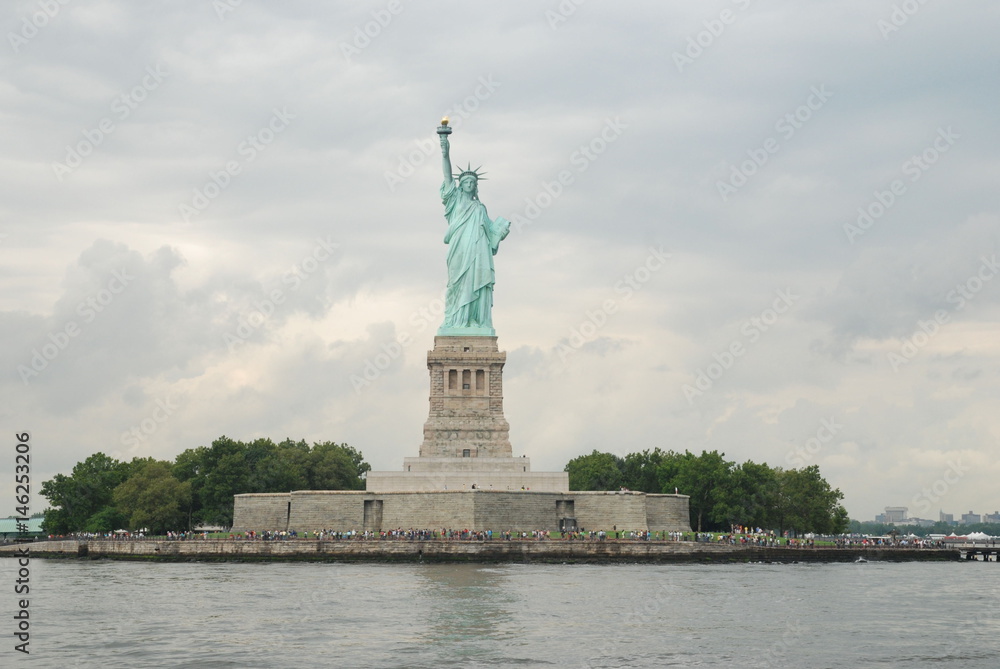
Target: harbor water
106 614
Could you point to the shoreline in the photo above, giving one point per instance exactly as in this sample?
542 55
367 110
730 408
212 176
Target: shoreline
458 551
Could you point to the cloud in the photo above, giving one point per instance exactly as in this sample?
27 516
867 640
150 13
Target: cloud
308 265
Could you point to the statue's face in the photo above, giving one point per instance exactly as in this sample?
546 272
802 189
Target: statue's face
468 185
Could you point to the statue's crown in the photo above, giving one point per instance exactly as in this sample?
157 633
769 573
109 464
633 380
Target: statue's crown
468 171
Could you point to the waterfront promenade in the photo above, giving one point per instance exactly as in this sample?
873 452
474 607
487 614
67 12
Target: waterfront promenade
464 550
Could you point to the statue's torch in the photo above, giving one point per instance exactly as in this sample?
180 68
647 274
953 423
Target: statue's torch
444 129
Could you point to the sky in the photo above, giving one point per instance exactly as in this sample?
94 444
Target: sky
767 229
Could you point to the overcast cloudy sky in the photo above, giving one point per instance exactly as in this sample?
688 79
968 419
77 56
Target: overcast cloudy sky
767 228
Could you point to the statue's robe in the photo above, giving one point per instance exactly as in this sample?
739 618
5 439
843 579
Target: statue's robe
472 239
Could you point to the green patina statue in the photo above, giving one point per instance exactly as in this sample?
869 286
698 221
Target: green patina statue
472 239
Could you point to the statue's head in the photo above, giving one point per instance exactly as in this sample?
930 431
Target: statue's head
469 183
468 180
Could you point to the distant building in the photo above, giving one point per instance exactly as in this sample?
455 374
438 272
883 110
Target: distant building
10 530
946 518
971 518
919 522
899 515
893 514
992 517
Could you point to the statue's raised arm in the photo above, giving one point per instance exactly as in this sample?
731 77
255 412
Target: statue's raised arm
473 239
445 149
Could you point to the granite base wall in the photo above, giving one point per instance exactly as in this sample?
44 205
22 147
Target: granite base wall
517 511
610 510
262 511
454 510
326 509
502 481
667 513
311 510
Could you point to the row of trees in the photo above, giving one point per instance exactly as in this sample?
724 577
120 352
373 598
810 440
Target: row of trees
103 494
722 493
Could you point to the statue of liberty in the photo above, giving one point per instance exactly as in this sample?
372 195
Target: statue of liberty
472 239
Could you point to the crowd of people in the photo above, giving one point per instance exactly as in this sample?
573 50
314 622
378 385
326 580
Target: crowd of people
754 538
118 536
447 534
747 535
124 535
889 542
739 535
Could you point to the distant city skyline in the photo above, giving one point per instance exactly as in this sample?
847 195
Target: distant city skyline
900 515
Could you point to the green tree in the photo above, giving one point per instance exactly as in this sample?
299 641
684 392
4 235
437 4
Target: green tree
277 467
597 471
336 467
87 491
212 475
667 471
751 496
189 467
721 493
60 516
230 467
152 498
807 503
641 471
106 520
227 468
705 478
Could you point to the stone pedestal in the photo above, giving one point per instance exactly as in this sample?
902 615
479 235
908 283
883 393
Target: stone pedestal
466 401
466 437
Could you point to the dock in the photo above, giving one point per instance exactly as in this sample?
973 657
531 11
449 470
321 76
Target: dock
986 551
